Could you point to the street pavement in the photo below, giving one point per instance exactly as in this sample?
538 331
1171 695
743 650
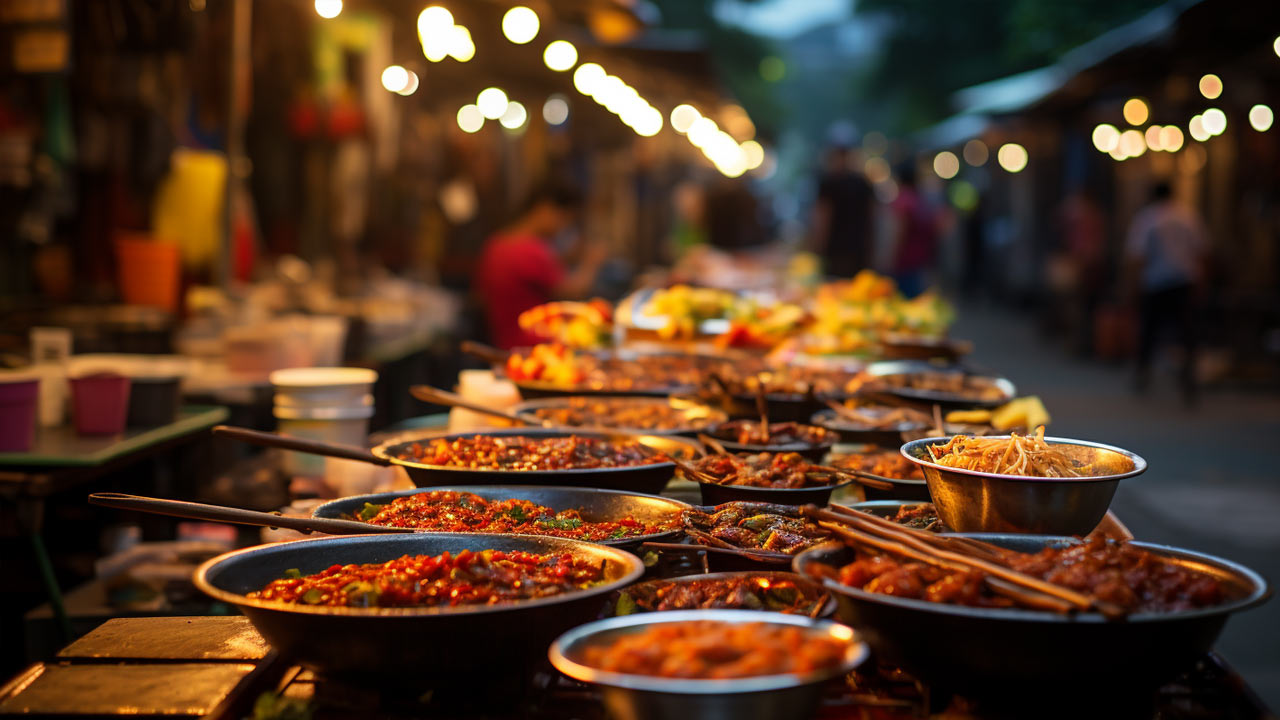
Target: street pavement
1213 483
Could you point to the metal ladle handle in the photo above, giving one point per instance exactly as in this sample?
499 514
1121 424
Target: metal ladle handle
286 442
435 395
236 516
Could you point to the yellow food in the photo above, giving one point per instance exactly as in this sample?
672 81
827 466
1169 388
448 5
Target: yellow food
973 417
1025 412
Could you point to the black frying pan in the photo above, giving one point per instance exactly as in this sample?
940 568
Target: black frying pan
998 650
649 479
433 647
334 516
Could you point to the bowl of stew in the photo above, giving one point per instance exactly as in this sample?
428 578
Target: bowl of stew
749 436
709 663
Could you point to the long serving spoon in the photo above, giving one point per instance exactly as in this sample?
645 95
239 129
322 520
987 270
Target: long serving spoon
237 516
434 395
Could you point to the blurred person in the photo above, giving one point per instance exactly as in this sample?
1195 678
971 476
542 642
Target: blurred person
1166 250
1083 229
519 267
842 215
915 234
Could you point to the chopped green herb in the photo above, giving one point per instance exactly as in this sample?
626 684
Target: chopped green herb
293 574
619 533
560 523
313 596
517 514
626 604
370 510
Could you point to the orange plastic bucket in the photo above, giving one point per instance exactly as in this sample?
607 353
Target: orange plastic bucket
149 271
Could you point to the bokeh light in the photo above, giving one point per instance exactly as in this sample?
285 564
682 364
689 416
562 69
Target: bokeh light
1136 111
876 169
555 110
395 78
461 46
875 142
410 87
683 117
514 116
1171 138
1012 157
560 55
1106 137
492 103
328 9
1132 144
1261 118
754 154
520 25
587 76
1215 121
772 69
648 122
1211 86
963 195
470 119
1197 129
1152 138
976 153
946 164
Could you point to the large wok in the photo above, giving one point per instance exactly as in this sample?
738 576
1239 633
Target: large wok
998 651
336 517
434 647
648 479
596 505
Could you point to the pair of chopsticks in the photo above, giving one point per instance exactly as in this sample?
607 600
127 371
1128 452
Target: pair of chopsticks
957 554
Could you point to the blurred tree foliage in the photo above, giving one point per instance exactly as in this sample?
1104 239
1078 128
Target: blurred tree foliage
737 55
935 47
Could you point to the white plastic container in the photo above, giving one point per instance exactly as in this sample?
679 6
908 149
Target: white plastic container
50 349
331 405
482 388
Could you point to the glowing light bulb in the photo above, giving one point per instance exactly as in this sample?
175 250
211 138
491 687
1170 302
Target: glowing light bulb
395 78
1152 138
1136 111
1171 138
683 116
587 76
1215 121
1132 144
946 164
1211 86
560 55
1261 118
520 25
649 123
702 131
1013 157
328 9
492 103
434 20
1106 137
514 116
470 119
555 110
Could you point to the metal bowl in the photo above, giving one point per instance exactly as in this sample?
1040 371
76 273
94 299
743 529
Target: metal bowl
810 589
716 494
852 433
970 501
633 697
697 416
649 479
999 650
424 643
811 451
946 400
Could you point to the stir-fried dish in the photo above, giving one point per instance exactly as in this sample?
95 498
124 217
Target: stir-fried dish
752 432
630 413
1026 455
885 463
488 577
787 471
452 511
753 526
922 517
870 416
708 649
958 385
1129 577
735 592
517 452
554 364
749 379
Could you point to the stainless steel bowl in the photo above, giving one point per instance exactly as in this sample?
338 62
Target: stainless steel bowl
970 501
640 697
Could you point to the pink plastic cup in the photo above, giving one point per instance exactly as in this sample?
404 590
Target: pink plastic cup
18 401
100 403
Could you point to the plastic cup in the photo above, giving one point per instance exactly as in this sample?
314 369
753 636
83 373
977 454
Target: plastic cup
19 398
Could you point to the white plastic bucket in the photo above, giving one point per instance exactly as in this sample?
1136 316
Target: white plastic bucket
328 404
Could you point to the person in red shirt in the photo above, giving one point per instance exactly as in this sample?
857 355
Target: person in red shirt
915 236
520 269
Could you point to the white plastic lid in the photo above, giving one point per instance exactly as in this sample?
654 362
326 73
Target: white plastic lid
322 377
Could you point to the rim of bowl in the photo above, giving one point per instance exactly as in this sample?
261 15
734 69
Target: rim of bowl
1139 463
